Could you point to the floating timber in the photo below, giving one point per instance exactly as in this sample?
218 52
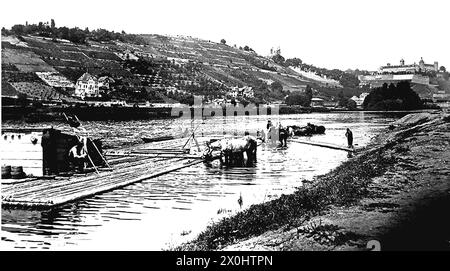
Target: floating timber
156 139
322 144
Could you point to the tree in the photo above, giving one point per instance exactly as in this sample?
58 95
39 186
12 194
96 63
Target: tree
18 29
223 41
22 99
293 62
346 79
442 69
308 92
351 104
342 101
279 59
446 76
399 97
276 86
298 99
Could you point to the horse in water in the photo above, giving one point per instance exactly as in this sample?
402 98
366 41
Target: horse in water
308 130
232 151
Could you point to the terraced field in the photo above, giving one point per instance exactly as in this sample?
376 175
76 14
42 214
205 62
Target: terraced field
219 64
25 61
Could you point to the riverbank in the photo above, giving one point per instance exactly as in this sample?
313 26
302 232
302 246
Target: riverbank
37 114
395 191
34 114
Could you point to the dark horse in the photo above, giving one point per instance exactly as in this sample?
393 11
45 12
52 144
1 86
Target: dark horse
308 130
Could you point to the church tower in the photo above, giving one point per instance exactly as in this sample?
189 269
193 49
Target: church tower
421 63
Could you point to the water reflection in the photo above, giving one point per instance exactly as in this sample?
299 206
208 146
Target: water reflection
163 212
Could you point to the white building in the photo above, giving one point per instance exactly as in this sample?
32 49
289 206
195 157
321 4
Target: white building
245 92
127 55
317 102
409 68
87 86
360 100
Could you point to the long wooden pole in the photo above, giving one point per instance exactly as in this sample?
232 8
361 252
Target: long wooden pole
84 145
322 144
95 146
192 134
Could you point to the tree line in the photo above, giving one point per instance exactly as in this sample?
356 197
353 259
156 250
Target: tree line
393 97
75 34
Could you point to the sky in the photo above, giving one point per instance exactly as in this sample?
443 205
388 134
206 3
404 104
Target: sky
326 33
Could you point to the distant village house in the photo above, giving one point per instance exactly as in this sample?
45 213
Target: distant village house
317 102
244 92
87 86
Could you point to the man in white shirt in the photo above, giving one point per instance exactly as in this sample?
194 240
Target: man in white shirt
78 155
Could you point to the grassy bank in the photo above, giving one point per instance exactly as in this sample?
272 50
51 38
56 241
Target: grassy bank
343 186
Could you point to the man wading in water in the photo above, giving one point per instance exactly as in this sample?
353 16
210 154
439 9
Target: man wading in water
349 136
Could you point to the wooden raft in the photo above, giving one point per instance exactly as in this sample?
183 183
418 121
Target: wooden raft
130 165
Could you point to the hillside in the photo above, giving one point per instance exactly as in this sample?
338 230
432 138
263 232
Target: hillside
157 66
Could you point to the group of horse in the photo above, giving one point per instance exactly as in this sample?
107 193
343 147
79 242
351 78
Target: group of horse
242 151
308 130
233 151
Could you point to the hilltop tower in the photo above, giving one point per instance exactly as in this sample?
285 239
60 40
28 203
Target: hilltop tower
402 62
436 66
422 64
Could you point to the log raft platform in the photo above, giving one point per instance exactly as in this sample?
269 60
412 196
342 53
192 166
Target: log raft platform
130 165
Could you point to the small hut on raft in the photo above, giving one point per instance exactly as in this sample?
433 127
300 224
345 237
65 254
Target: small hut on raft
43 151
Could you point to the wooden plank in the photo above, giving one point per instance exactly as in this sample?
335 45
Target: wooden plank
161 155
24 130
25 155
20 146
17 181
25 163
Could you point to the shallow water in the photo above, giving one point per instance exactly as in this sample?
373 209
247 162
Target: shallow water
163 212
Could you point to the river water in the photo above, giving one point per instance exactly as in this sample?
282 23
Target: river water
163 212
